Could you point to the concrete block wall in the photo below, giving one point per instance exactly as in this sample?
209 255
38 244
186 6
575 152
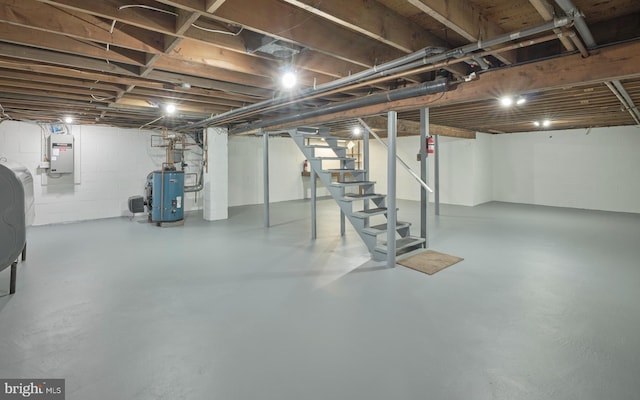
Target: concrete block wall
114 164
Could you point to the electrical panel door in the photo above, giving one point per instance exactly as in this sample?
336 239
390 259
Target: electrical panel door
60 153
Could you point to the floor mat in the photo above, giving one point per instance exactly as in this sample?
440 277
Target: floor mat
429 261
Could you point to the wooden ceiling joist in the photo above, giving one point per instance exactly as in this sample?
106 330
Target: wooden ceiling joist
407 127
300 28
464 19
615 62
116 61
378 22
46 18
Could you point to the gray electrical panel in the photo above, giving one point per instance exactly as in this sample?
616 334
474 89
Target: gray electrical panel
60 153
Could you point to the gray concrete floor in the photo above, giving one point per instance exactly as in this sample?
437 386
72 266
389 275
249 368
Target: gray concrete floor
544 306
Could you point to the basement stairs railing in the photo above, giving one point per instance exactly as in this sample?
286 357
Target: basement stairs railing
355 194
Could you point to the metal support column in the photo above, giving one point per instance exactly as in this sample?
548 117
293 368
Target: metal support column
365 167
265 158
436 177
392 125
312 180
342 223
424 165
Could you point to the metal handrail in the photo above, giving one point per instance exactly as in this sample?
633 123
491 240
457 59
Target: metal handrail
404 164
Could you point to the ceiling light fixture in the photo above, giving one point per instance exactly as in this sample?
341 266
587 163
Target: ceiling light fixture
506 101
68 120
289 79
545 123
170 108
357 131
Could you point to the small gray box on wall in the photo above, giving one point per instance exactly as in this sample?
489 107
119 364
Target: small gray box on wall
60 153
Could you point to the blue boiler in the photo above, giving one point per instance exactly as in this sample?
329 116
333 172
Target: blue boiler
167 196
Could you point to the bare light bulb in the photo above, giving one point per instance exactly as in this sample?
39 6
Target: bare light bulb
289 80
357 131
506 101
68 120
170 108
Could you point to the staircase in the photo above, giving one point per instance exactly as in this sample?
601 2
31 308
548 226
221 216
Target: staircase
351 188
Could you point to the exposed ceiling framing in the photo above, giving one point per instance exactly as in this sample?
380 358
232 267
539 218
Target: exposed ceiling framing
118 62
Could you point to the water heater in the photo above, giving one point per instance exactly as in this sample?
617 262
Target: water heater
167 196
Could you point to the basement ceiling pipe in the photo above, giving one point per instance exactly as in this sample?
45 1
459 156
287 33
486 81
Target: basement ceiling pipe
578 19
632 107
616 87
378 98
619 91
379 69
405 63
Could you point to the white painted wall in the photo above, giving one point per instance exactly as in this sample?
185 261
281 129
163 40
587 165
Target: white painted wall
482 180
465 169
216 175
114 164
246 179
572 169
597 169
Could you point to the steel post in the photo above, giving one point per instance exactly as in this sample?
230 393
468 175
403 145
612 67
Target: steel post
424 165
436 177
265 158
392 125
312 180
365 167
